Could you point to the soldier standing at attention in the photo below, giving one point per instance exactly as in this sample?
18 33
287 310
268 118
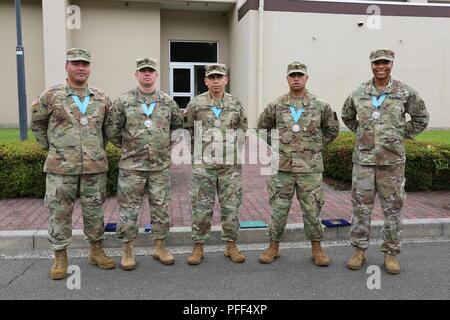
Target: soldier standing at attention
213 115
375 111
305 123
141 124
68 120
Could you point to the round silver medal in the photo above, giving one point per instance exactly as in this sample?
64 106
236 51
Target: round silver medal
296 128
148 123
84 121
217 123
376 115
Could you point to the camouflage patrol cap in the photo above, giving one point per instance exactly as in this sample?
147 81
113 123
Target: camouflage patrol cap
296 67
77 54
146 62
382 54
215 68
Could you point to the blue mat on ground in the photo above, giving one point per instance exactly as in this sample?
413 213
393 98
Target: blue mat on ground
336 223
110 227
253 224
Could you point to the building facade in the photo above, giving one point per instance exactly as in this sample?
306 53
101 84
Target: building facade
255 38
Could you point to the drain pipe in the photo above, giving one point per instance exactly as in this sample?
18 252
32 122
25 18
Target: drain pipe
260 55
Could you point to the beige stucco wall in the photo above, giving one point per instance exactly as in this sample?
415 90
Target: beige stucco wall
34 58
243 61
338 58
191 26
56 40
116 35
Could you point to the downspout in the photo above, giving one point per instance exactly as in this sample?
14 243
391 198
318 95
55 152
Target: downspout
260 55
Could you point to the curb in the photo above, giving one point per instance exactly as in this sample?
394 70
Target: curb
181 236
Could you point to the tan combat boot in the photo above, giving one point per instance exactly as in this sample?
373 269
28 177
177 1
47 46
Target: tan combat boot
357 260
128 262
391 263
161 254
197 254
271 253
319 257
233 252
59 267
98 257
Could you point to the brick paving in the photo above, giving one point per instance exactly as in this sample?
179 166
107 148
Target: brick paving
29 214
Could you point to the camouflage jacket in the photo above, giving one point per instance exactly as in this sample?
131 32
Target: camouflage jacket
143 148
212 131
380 141
72 148
301 151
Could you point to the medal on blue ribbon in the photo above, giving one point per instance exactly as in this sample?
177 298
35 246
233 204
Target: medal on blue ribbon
82 106
217 112
296 116
148 110
376 105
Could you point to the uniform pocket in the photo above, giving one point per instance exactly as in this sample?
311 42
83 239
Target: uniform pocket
365 139
50 190
60 119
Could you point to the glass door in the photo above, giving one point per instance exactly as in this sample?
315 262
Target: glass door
182 83
187 68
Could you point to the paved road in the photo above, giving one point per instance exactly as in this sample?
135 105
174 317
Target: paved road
425 275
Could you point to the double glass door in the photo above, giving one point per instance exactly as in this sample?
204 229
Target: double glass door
187 69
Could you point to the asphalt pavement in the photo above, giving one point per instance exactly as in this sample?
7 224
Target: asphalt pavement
425 275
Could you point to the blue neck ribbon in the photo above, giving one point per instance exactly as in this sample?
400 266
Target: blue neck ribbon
148 110
377 102
81 106
216 111
296 114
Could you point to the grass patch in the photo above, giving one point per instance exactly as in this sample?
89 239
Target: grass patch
435 136
428 136
10 135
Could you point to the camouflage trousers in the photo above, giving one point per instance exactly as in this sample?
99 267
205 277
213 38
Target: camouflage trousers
132 185
227 182
389 183
60 195
308 188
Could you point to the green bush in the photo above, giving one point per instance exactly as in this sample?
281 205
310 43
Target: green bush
21 172
427 165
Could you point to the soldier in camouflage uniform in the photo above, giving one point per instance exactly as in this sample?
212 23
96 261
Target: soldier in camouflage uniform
375 111
305 123
68 121
214 119
141 125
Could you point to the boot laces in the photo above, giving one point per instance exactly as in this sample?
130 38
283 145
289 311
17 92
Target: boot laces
59 261
197 249
100 252
128 251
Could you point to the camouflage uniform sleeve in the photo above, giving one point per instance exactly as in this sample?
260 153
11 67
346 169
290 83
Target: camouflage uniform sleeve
188 122
267 121
176 121
349 114
40 116
108 111
329 124
188 117
415 106
115 123
243 124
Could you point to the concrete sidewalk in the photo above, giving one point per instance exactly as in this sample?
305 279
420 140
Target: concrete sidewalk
24 221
